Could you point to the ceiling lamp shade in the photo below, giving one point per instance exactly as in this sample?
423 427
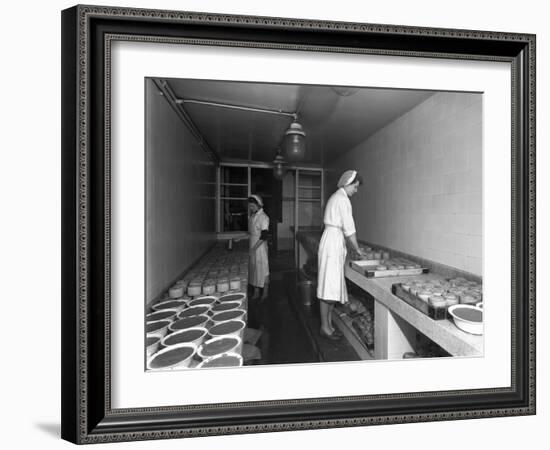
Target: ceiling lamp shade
279 169
295 142
345 91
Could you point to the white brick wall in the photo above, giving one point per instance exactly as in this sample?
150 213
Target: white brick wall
423 182
180 224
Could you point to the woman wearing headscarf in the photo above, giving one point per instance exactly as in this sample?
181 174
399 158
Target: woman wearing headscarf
339 227
258 229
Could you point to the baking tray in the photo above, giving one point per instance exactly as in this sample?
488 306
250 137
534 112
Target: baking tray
435 313
368 268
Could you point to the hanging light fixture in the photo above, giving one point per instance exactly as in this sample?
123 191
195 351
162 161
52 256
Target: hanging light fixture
295 142
345 91
279 169
294 138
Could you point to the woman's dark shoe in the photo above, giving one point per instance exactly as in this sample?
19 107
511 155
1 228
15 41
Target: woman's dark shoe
337 333
332 336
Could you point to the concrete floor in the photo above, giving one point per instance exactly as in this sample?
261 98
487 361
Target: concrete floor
286 338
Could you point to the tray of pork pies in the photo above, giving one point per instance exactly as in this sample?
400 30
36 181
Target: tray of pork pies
387 267
435 297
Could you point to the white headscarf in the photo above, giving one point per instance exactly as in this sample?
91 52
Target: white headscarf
347 178
258 199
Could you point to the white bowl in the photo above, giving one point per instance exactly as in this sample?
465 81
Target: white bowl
238 314
469 326
218 329
176 365
185 323
193 311
165 342
235 348
165 314
233 297
211 362
205 300
153 347
220 307
175 304
161 328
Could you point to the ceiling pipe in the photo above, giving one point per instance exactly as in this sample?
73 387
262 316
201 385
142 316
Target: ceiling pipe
239 107
166 90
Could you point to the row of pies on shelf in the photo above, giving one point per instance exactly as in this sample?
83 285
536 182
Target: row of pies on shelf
381 260
396 264
208 285
373 253
445 293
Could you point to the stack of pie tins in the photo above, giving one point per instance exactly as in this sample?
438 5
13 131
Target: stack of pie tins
193 335
172 357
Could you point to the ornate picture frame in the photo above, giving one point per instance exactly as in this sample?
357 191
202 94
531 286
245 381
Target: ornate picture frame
87 35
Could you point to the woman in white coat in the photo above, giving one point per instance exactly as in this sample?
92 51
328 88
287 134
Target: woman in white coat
258 229
339 227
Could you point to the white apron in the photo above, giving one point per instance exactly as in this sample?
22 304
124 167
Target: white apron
258 266
331 284
338 220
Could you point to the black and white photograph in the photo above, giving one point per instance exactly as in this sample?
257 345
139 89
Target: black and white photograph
305 224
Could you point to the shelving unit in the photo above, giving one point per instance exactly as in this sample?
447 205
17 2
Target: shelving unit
308 189
232 192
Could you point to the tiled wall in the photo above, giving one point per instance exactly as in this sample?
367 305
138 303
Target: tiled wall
180 197
423 182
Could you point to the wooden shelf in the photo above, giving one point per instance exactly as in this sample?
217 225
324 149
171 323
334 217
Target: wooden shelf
345 325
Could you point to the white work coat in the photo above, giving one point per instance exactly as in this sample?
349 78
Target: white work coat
258 266
339 224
